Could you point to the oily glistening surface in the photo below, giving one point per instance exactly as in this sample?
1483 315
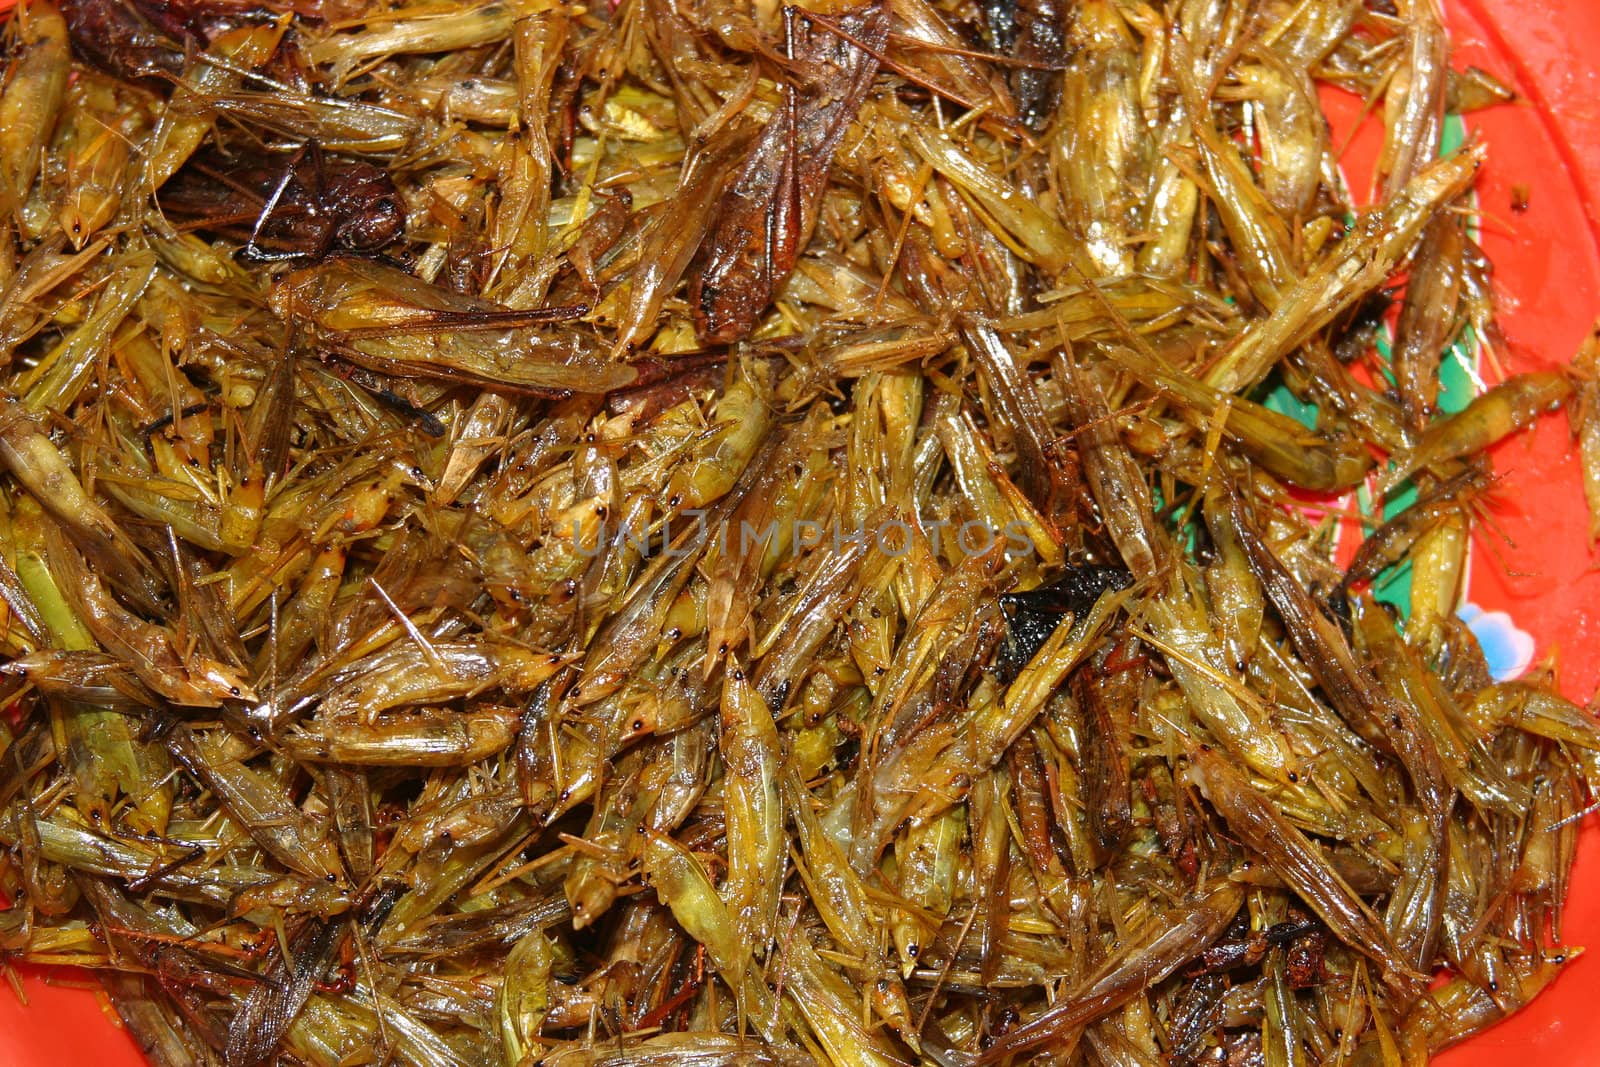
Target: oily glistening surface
341 340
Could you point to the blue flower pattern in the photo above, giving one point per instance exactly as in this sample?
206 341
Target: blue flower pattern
1508 648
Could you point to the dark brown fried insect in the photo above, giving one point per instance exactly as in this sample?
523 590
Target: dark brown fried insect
1041 27
305 206
118 37
766 216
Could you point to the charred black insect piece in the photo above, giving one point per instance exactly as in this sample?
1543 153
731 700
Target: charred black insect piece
1032 616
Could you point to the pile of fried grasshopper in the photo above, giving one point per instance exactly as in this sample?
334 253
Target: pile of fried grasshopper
673 532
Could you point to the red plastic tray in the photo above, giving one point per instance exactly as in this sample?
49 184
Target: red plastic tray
1545 579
